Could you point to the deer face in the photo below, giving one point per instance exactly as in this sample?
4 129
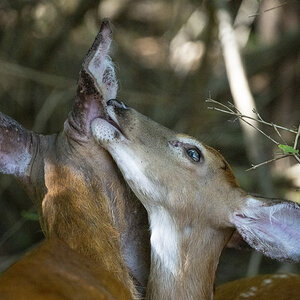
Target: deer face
162 167
193 183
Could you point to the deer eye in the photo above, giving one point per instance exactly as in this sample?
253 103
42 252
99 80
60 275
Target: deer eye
194 154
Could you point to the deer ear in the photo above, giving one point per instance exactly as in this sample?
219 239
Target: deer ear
15 147
270 226
99 64
96 85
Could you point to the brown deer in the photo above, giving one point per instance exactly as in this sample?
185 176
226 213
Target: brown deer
97 241
194 204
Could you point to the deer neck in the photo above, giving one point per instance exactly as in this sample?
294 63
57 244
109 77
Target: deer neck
76 209
184 259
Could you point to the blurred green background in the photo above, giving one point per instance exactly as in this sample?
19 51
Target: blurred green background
168 60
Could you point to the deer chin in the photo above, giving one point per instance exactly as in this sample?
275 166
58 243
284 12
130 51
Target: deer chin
106 132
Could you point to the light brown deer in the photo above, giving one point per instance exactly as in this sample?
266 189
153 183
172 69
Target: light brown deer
194 205
97 241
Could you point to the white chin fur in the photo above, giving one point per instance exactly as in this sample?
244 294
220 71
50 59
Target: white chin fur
105 132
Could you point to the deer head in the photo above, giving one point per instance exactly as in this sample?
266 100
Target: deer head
194 203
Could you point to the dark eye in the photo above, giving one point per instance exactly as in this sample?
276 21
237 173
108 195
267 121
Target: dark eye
193 154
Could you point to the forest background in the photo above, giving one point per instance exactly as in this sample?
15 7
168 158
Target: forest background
169 60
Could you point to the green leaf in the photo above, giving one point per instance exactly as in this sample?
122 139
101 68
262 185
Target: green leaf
288 149
31 216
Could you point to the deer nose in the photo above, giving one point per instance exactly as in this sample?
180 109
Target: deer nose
117 104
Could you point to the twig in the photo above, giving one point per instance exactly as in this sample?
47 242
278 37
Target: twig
278 6
267 162
232 110
259 130
277 131
268 9
242 117
260 120
295 144
297 137
297 158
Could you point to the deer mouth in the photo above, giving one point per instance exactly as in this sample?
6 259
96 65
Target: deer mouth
110 111
113 123
107 130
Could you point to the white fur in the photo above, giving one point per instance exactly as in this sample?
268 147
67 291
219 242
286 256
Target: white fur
105 133
273 230
111 112
164 240
14 163
133 170
104 73
267 281
164 236
102 69
130 165
250 293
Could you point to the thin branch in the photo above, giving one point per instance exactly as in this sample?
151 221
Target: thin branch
259 119
297 137
259 130
268 9
295 144
267 162
232 110
278 6
277 131
242 117
297 158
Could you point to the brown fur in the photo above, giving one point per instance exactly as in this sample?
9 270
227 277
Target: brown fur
263 287
81 198
227 170
54 271
190 202
80 217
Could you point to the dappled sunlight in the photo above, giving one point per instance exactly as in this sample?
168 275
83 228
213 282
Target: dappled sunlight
243 21
185 50
150 51
168 59
111 8
186 56
150 11
45 16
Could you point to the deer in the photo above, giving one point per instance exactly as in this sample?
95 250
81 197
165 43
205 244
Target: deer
195 206
97 242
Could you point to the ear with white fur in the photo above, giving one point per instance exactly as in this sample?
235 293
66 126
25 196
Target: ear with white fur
15 147
96 85
270 226
99 64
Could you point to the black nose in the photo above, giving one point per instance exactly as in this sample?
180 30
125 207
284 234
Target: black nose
116 103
